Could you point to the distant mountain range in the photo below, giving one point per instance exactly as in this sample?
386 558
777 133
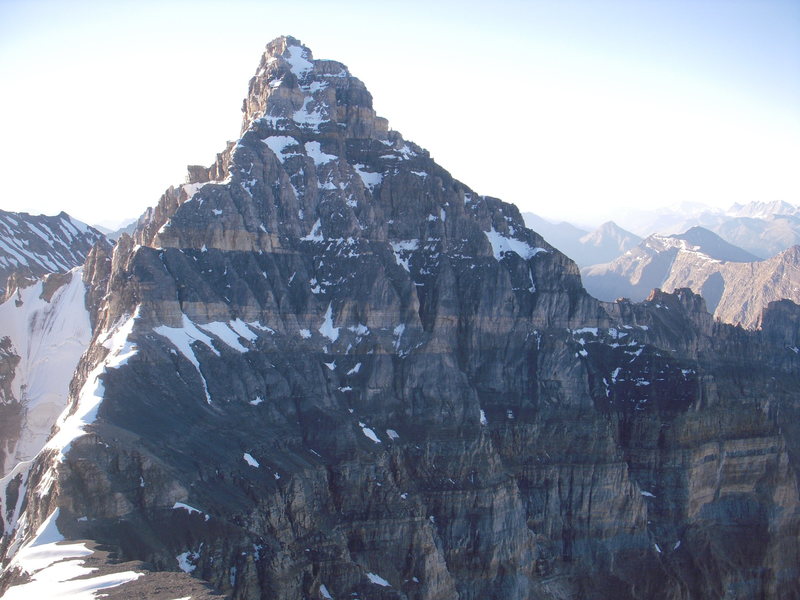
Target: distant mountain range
584 247
736 285
762 228
33 245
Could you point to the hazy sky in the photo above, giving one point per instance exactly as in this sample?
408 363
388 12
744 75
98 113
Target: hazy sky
571 109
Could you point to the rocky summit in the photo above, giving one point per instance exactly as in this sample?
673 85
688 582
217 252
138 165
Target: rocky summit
323 368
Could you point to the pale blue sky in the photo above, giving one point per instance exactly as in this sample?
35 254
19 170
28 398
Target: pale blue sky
574 109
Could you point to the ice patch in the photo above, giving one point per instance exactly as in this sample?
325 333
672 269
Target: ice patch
392 434
647 494
305 334
248 458
323 591
483 419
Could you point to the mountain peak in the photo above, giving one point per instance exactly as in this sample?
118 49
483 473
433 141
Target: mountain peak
291 50
709 243
291 92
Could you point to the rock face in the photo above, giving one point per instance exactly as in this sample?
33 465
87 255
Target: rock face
736 285
33 246
324 368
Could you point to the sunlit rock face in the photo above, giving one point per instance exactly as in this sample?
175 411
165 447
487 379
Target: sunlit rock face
323 368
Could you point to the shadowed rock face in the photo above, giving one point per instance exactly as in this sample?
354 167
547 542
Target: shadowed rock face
331 370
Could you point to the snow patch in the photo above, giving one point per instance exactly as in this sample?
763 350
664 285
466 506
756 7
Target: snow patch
185 560
378 580
502 244
369 178
319 157
248 458
327 329
315 235
278 145
298 63
369 433
56 569
402 252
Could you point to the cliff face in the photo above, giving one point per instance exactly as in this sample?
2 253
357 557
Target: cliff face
326 369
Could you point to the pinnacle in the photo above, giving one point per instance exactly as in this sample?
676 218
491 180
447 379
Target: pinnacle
280 47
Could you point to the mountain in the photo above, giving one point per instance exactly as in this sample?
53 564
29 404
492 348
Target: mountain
736 285
324 368
738 292
606 243
601 245
31 246
764 210
763 237
761 228
647 266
